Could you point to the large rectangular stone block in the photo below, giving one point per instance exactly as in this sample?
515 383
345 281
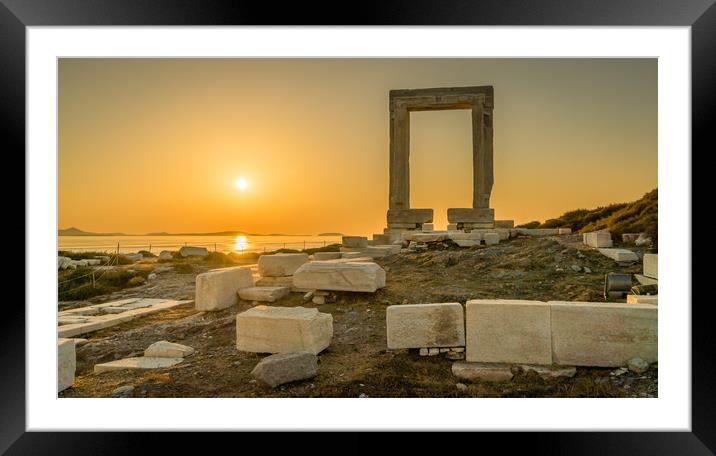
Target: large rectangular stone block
651 265
281 264
620 255
216 289
603 334
264 329
425 325
410 216
354 276
471 215
462 236
418 236
66 363
598 239
508 331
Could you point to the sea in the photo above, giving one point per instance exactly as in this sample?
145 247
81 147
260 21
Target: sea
224 244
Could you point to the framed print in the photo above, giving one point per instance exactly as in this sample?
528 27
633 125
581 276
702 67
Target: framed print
434 217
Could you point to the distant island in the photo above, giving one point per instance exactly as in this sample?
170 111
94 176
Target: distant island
78 232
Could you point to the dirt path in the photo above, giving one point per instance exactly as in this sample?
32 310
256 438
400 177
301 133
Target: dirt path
357 362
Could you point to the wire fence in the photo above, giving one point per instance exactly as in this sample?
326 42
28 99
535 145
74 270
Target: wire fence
235 246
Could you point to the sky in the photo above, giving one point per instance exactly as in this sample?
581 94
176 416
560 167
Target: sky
148 145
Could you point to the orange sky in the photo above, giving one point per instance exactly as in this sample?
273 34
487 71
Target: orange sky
158 144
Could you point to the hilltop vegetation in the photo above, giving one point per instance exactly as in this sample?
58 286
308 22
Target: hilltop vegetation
634 217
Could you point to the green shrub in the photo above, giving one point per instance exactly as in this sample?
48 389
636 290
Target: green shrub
136 281
147 253
327 248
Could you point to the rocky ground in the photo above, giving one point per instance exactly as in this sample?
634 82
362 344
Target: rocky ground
357 363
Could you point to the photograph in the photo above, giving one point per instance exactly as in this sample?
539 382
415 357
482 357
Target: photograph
324 227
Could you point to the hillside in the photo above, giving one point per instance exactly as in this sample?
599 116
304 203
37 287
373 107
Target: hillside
633 217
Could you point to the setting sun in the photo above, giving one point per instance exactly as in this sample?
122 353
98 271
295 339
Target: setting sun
242 184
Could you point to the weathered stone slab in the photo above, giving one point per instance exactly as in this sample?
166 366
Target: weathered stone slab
491 238
651 265
188 250
643 299
216 289
416 216
508 331
379 251
265 294
354 241
462 236
166 349
435 236
321 256
281 264
95 323
563 231
603 334
597 239
471 215
143 362
351 255
484 372
503 233
66 363
354 276
283 368
504 223
427 227
425 325
285 281
620 255
452 227
264 329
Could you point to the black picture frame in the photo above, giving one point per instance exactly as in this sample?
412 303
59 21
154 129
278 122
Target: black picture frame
700 15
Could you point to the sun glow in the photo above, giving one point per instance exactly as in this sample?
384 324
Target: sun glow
242 184
241 243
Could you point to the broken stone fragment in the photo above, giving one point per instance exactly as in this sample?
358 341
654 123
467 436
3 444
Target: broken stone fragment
482 372
638 365
283 368
166 349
